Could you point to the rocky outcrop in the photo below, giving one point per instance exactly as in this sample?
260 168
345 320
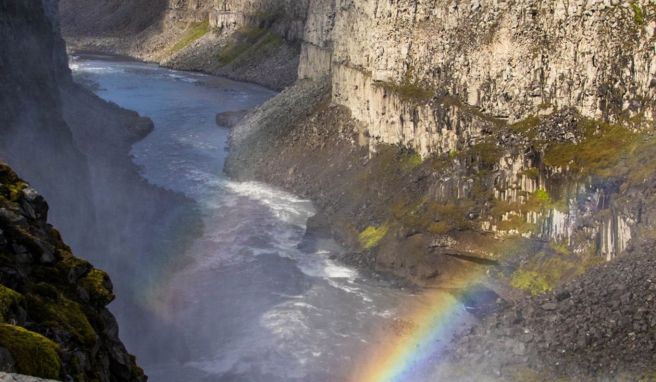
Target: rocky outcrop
53 317
599 327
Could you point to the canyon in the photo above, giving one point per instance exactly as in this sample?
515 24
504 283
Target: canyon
511 140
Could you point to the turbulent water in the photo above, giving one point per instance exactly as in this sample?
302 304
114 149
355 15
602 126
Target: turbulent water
253 298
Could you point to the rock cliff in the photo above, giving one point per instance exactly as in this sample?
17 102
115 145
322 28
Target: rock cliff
513 139
53 317
432 75
74 148
519 120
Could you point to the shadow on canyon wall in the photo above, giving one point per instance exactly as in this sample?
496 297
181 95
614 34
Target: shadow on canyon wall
74 148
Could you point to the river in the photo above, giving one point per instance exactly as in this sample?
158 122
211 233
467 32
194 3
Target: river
256 299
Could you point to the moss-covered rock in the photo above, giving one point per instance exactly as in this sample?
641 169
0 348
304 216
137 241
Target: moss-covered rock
63 314
8 299
371 236
99 287
33 353
56 301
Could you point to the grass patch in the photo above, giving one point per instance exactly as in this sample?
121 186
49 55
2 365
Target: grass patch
487 154
531 172
196 31
411 161
371 236
248 41
516 223
603 147
530 281
560 248
542 196
34 354
526 126
409 89
545 273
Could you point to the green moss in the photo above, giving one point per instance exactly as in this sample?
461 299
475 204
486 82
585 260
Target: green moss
545 272
410 88
451 101
560 248
248 43
530 281
371 236
532 173
34 354
526 126
11 187
647 377
8 299
439 228
196 31
603 146
542 196
488 154
62 313
516 223
638 13
411 161
98 285
409 92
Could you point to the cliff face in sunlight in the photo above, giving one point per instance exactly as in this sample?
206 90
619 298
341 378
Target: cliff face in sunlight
533 119
435 75
484 124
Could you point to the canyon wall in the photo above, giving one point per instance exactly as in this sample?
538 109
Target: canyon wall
443 77
252 40
409 70
53 317
74 148
525 122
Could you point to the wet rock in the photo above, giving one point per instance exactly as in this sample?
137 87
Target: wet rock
230 119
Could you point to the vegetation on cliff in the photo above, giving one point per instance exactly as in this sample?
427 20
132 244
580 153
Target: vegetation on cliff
194 32
53 317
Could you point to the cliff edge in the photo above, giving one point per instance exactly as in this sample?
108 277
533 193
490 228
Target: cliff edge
53 317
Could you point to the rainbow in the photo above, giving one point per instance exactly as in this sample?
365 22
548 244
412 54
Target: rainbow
413 355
